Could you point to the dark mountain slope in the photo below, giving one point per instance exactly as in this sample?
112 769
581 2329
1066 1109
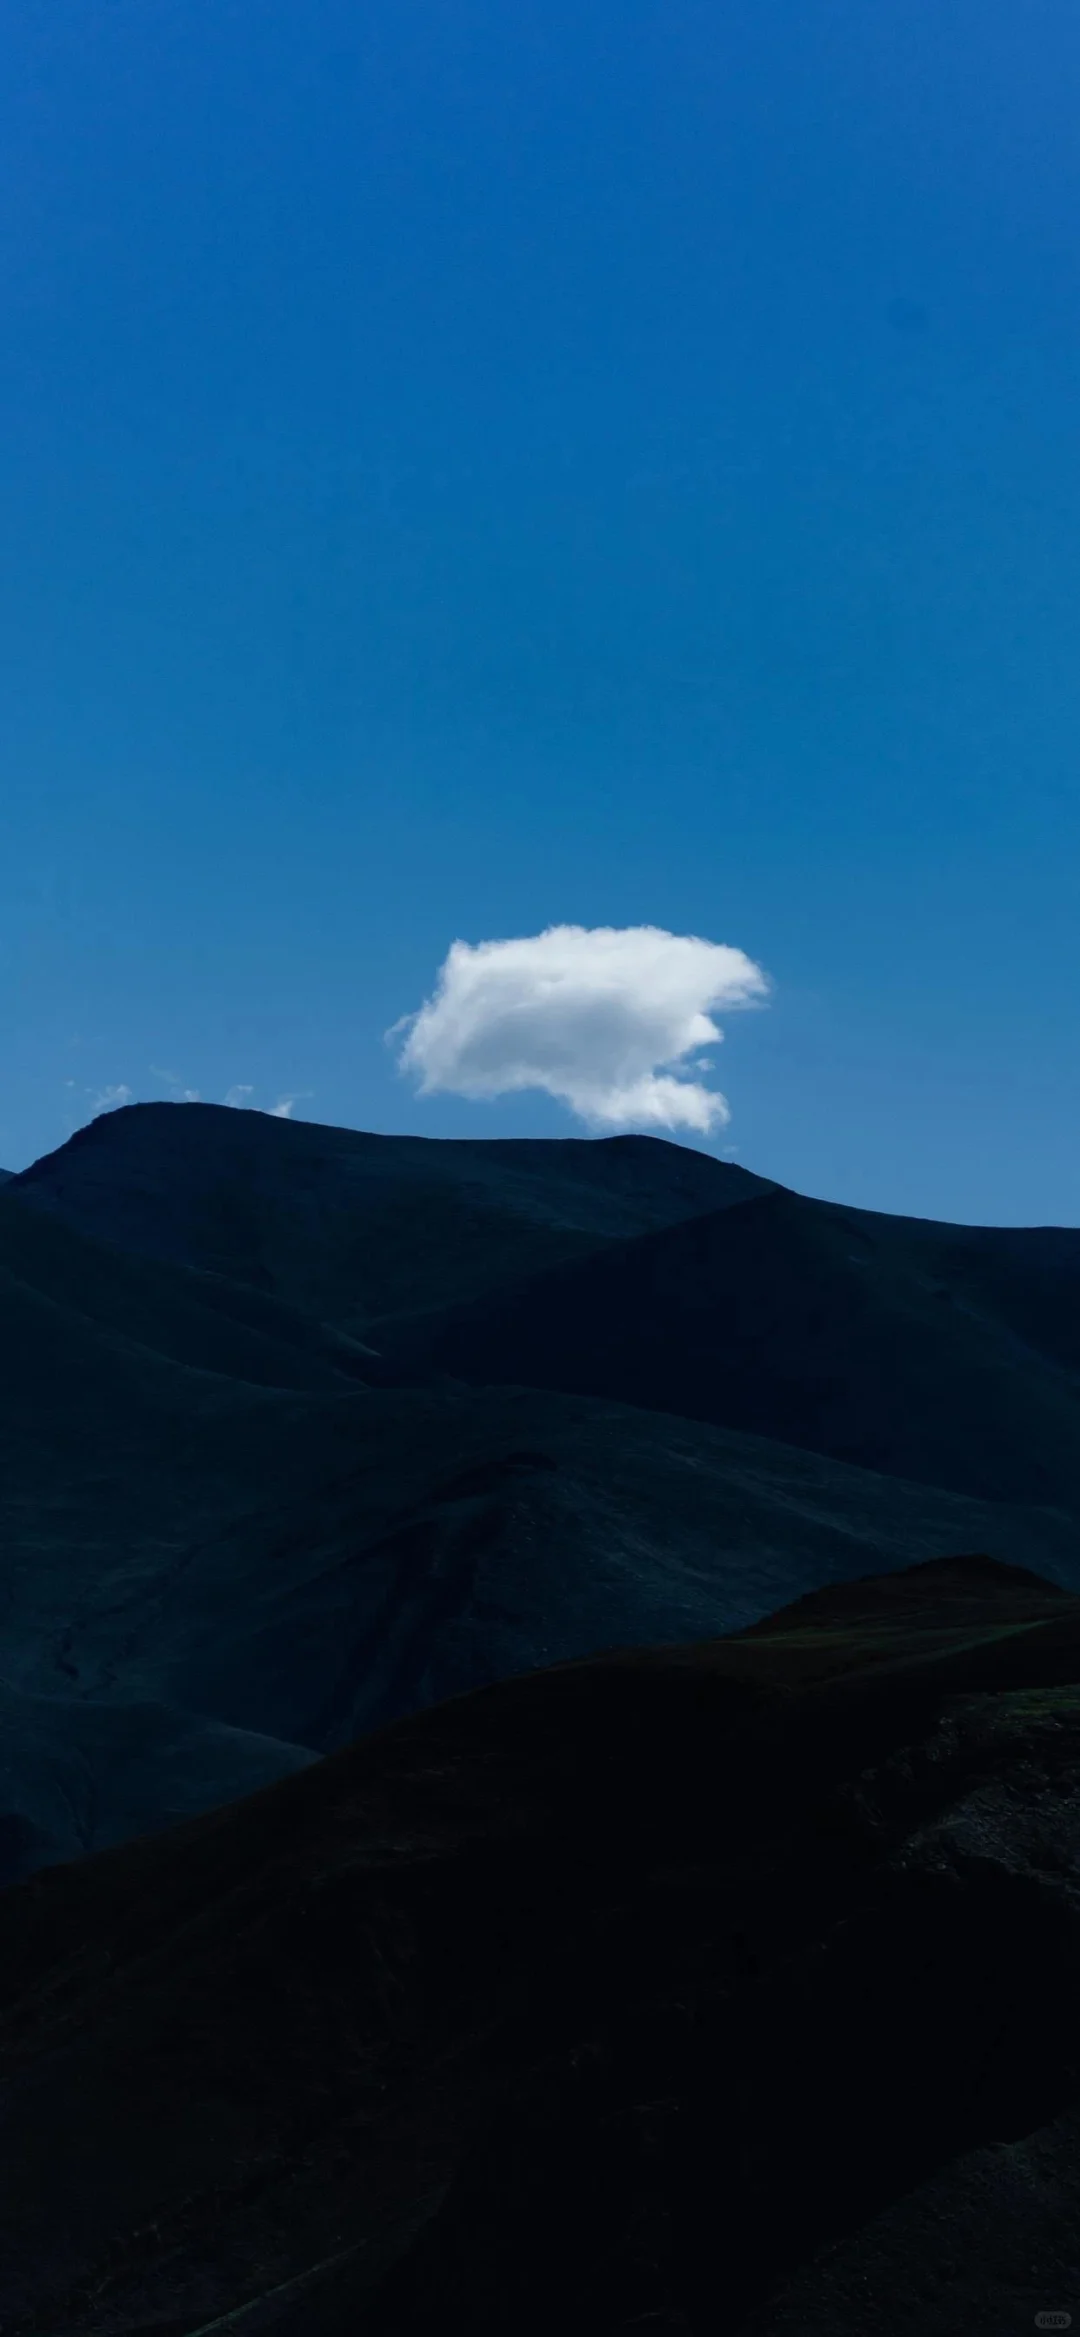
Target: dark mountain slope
105 1294
467 1539
187 1556
607 1998
946 1354
224 1550
79 1775
116 1462
355 1227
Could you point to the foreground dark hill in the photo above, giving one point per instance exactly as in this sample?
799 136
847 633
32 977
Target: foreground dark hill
726 1988
357 1228
942 1353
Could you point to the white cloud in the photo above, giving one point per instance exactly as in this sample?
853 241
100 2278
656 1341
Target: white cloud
187 1095
282 1110
237 1098
610 1020
109 1099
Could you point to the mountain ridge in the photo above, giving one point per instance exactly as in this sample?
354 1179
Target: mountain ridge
356 1225
755 1317
238 1531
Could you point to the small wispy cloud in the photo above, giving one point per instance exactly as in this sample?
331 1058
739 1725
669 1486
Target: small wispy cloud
172 1079
612 1021
283 1108
239 1098
109 1099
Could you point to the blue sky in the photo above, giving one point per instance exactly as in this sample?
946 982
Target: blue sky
472 467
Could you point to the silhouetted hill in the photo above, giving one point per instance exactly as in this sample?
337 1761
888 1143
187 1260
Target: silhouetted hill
947 1354
355 1227
230 1545
205 1571
698 1988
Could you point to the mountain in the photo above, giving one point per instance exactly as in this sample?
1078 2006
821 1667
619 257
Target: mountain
945 1354
224 1549
249 1514
357 1228
187 1317
729 1986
